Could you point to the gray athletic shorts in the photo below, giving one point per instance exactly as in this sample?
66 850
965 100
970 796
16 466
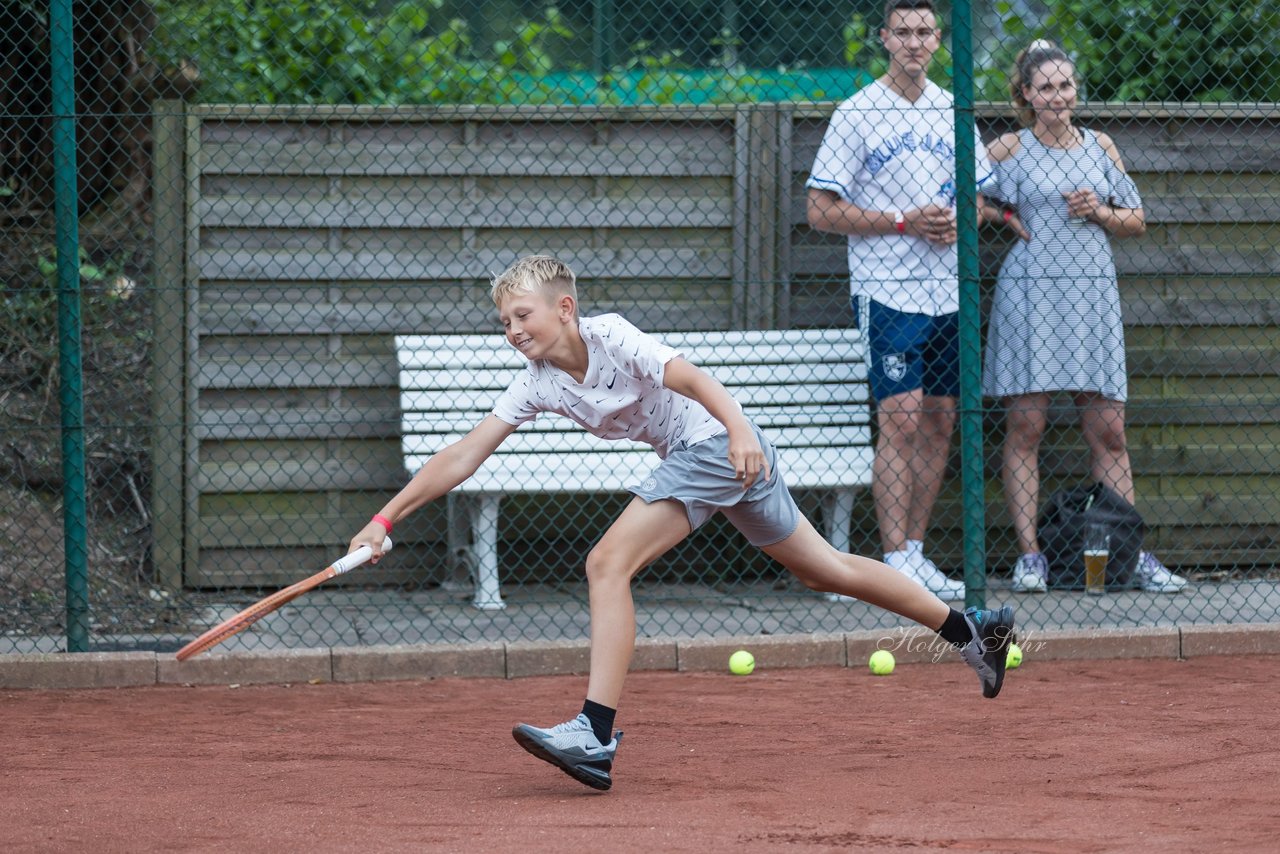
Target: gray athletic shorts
700 477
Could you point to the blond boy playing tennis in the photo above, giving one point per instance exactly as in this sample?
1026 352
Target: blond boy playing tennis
617 382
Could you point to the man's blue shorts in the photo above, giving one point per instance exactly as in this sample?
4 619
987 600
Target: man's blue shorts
908 351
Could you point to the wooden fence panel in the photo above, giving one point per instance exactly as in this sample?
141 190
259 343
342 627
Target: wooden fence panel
304 239
318 234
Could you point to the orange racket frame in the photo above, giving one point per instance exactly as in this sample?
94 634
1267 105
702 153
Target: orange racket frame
262 607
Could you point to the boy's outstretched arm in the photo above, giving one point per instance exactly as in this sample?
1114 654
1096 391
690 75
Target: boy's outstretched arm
442 473
745 452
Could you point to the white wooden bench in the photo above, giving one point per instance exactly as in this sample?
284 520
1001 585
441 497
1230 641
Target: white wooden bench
806 388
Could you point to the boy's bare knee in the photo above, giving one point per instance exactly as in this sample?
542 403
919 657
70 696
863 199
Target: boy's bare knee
816 571
809 581
603 565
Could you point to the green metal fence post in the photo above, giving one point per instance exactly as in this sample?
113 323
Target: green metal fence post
61 49
602 38
975 574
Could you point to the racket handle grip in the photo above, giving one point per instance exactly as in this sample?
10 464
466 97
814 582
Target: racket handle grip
359 557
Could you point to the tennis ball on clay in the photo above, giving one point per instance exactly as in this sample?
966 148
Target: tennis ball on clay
881 662
1014 656
741 663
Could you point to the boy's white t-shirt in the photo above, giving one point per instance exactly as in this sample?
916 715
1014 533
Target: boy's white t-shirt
884 153
621 396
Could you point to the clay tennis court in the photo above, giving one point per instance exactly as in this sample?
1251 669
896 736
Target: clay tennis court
1074 756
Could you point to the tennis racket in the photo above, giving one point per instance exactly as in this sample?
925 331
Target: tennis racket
262 607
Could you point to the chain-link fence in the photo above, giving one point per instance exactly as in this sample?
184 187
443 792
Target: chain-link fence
275 203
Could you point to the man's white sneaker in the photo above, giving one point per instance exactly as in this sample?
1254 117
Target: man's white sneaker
920 568
1031 574
1153 577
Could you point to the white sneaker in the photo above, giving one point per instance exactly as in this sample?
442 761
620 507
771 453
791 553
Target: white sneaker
922 570
1031 574
1153 577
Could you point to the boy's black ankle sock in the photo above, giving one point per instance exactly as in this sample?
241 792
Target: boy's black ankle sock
601 718
956 629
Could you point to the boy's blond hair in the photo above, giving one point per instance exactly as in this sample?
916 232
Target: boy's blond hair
534 274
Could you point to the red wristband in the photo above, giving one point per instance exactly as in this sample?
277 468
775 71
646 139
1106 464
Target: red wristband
382 520
1008 214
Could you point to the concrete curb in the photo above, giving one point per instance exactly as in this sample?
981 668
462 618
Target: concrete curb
418 661
64 671
55 670
1153 642
247 668
1246 639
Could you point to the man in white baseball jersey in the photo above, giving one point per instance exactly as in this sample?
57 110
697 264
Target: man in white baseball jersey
885 176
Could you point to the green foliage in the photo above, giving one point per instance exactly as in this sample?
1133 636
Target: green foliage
310 52
667 78
656 79
862 48
527 50
342 52
1163 50
29 316
347 51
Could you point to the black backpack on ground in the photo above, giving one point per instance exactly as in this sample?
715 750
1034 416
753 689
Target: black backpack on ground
1061 529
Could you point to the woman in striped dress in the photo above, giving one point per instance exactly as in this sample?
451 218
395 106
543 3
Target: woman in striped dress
1055 322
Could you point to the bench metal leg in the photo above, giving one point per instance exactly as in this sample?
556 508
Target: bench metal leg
484 532
837 513
458 570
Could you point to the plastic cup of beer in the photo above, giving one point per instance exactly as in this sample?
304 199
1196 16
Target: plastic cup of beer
1097 548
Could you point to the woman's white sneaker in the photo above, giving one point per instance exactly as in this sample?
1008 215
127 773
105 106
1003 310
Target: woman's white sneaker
1031 574
1154 577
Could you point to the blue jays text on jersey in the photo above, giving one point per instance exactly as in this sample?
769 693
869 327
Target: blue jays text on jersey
939 146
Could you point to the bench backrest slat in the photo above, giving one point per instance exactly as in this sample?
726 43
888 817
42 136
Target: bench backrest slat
468 378
577 441
614 471
798 393
460 421
807 388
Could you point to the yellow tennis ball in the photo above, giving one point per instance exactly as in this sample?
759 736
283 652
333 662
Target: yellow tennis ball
881 662
1014 656
741 663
